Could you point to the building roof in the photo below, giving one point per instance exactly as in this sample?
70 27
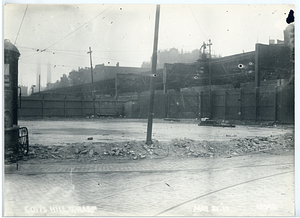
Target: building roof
11 47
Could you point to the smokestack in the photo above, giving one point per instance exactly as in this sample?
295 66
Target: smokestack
38 72
49 72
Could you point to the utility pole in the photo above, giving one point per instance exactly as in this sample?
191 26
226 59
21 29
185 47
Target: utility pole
152 81
39 83
209 46
92 76
209 70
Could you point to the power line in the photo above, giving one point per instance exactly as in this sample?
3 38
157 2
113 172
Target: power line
31 55
95 57
27 47
66 50
54 65
40 51
79 56
21 25
78 28
197 22
49 51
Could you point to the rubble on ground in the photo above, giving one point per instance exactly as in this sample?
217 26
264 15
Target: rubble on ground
136 150
215 123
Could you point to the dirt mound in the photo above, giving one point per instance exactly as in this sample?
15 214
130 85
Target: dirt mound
272 144
135 150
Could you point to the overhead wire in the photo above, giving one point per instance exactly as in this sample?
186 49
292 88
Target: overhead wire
82 55
197 22
46 49
30 55
21 24
109 59
64 50
102 51
78 28
24 47
40 51
55 65
57 51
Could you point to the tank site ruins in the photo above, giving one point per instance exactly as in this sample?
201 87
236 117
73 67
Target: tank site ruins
179 114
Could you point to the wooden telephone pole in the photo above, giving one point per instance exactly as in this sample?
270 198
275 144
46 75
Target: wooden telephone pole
92 76
152 81
209 70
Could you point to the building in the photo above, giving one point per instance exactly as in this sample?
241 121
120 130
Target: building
24 90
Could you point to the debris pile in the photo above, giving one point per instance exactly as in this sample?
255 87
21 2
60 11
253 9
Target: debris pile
188 147
125 150
265 143
216 123
89 151
252 144
135 150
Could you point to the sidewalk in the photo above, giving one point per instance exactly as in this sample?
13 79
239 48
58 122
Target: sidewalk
150 165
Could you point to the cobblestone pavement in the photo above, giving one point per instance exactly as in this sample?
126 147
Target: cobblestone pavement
253 185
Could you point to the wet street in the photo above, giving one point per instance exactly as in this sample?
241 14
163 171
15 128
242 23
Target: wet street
252 185
62 132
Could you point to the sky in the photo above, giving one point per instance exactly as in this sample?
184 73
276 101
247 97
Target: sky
60 35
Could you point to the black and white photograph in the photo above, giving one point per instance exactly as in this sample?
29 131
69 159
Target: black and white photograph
148 109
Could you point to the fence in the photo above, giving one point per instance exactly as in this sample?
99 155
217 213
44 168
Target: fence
64 106
253 104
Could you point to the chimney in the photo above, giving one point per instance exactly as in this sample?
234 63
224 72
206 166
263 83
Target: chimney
38 72
49 72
